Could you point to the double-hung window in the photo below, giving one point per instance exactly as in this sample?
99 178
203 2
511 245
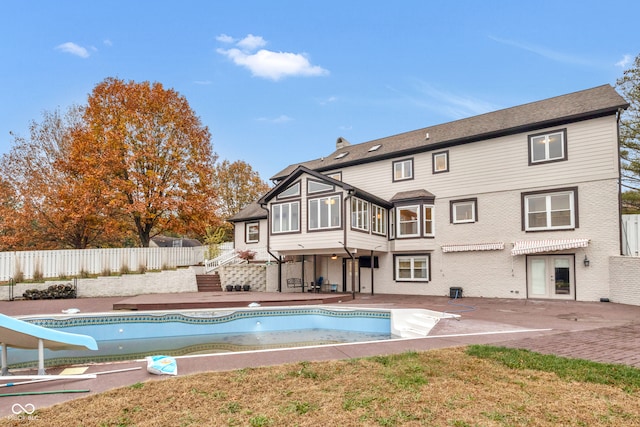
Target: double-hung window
392 224
403 169
550 211
359 214
412 268
324 213
378 220
429 223
252 232
548 147
408 218
285 217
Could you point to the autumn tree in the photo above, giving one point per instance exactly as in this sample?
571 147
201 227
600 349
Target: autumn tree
237 185
145 143
51 208
9 208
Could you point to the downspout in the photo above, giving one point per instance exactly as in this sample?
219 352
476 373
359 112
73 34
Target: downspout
372 268
344 245
373 264
278 259
620 236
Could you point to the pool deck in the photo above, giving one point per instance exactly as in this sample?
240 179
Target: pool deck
195 300
603 332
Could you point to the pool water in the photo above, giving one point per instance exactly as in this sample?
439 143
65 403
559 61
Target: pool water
133 336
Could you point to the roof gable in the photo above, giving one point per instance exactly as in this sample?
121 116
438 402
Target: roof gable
300 170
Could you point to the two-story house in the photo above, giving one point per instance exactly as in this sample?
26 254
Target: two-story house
520 203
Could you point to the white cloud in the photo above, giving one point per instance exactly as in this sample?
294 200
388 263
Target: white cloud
269 64
107 42
202 82
251 43
223 38
280 119
543 51
328 100
625 61
73 49
451 104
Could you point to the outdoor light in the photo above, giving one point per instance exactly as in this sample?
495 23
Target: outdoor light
334 256
586 261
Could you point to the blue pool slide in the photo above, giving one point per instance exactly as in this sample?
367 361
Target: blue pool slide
20 334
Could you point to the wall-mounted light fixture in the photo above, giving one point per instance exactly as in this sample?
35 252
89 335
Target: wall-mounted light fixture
334 256
586 261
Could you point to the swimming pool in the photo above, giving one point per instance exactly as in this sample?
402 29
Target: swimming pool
130 336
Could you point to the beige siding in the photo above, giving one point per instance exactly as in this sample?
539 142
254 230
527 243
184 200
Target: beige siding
239 235
498 273
501 164
496 172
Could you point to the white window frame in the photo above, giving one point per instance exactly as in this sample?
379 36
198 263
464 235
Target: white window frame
392 224
436 156
359 214
412 268
458 204
403 170
329 205
291 191
545 138
248 233
549 211
427 221
400 222
287 221
314 187
378 220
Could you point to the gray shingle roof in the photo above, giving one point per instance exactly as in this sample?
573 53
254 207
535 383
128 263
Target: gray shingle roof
249 212
412 195
599 101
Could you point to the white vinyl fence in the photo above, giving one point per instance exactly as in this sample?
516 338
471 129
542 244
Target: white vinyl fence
630 235
74 262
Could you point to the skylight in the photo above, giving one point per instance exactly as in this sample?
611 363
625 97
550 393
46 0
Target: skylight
375 147
341 155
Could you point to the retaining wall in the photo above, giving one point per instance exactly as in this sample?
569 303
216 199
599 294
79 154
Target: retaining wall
167 281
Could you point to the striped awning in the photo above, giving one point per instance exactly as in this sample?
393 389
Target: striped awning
498 246
536 246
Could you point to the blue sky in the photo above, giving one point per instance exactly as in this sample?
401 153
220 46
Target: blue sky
277 82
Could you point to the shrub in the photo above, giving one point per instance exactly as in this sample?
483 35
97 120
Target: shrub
246 255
